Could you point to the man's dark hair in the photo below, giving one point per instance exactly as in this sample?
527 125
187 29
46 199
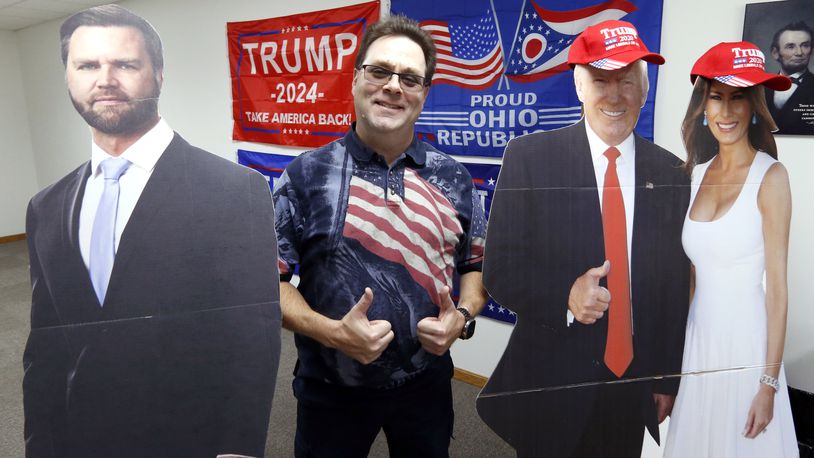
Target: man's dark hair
399 25
798 26
113 16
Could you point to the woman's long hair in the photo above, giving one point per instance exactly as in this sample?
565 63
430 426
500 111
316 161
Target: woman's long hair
699 142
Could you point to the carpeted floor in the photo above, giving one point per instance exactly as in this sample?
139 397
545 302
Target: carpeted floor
472 437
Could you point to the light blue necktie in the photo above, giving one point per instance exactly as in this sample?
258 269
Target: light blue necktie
103 237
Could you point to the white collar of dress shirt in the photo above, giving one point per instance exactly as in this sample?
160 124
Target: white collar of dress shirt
627 148
797 74
144 153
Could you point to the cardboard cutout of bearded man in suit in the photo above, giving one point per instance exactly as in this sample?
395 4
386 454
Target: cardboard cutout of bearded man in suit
155 316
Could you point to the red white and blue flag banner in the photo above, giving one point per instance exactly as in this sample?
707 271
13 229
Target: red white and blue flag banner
270 166
502 68
484 177
291 76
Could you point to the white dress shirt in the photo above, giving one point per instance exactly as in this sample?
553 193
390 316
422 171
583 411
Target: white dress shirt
143 155
626 171
781 97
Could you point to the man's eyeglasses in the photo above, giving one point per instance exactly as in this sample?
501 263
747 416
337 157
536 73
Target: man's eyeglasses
381 76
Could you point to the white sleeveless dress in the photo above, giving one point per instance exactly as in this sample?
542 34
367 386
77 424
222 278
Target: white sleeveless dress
726 335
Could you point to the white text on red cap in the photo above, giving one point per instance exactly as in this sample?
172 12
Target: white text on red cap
610 33
748 52
748 58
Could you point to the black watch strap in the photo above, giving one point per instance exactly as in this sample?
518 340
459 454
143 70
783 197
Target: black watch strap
469 323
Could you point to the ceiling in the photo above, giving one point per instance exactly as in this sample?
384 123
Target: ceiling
19 14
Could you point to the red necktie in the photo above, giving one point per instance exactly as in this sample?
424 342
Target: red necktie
619 346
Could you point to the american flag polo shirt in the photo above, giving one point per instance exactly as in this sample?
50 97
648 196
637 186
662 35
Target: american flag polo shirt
349 222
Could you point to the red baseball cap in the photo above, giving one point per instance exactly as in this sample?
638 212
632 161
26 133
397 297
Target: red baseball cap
610 45
738 64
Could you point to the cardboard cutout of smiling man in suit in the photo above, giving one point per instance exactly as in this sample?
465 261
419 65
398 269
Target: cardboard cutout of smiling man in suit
585 245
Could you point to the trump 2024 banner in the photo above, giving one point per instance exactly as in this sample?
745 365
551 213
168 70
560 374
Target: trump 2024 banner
502 66
291 76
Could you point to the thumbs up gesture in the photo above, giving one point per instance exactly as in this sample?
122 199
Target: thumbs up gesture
587 300
437 334
360 338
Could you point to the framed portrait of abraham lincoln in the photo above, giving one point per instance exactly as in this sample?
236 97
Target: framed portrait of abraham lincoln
784 31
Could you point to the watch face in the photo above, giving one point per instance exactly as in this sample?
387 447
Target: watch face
468 330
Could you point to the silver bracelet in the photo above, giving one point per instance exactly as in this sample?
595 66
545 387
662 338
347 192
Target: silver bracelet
767 379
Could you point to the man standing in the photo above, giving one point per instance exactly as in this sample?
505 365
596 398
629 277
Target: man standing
154 326
585 245
792 109
377 223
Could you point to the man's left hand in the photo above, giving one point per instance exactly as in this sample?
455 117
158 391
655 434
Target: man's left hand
664 405
437 334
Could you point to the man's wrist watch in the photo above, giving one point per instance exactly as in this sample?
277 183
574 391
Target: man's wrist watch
469 323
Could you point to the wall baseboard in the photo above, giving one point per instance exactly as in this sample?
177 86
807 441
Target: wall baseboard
12 238
470 377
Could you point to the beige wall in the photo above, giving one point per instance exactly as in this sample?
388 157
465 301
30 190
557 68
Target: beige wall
18 181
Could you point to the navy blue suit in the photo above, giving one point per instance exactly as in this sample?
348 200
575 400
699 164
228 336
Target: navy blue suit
182 358
545 231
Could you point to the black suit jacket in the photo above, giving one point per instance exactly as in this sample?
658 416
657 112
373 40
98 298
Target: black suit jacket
545 230
789 121
182 358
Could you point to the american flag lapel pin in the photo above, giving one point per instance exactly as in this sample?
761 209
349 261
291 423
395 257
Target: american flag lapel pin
648 185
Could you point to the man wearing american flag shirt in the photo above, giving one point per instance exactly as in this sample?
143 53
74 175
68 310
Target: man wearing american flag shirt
378 222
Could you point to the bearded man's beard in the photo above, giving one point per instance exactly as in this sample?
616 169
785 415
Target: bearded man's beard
121 119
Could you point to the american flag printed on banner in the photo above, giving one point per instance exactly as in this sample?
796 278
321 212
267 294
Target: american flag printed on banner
544 37
469 52
420 232
536 90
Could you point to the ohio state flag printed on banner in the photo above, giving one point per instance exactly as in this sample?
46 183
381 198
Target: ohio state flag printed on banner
291 76
502 66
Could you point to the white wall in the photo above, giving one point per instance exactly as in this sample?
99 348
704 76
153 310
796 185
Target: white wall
18 181
197 102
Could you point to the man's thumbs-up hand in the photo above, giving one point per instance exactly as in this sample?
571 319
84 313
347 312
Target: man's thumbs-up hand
360 338
437 334
588 301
